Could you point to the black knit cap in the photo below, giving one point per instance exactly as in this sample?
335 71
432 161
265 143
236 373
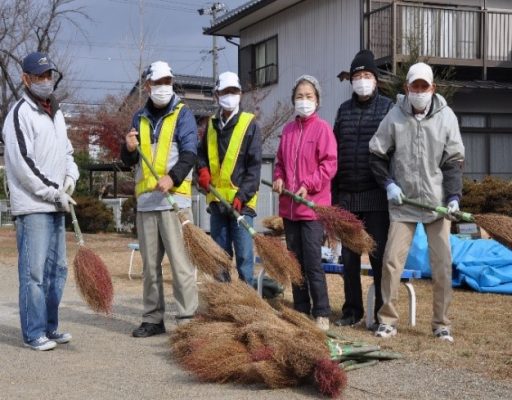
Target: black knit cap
364 61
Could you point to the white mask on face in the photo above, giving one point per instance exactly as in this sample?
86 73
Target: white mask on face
420 101
305 107
42 90
363 87
229 102
161 94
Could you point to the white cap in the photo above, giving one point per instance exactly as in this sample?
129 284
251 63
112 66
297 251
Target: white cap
227 79
420 71
158 70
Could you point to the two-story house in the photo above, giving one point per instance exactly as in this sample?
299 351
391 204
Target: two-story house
281 39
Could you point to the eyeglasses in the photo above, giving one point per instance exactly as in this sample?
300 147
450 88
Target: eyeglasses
362 75
45 76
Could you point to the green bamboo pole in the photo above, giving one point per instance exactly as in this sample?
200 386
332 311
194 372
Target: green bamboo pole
170 199
240 219
78 232
296 198
352 367
464 216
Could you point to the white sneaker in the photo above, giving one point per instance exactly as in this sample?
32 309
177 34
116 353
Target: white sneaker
59 337
385 331
322 323
443 333
41 344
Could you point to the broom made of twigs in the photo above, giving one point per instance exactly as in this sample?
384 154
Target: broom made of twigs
278 261
202 250
91 274
339 224
498 226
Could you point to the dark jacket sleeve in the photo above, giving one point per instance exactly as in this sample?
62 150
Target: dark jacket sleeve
252 162
380 170
202 152
452 179
131 158
186 138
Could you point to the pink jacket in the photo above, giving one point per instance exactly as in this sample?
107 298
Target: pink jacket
307 155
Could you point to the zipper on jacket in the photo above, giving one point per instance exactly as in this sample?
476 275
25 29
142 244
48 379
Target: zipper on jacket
295 164
356 161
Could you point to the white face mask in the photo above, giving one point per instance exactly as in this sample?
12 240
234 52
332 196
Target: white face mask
42 90
363 87
161 95
420 101
305 107
229 102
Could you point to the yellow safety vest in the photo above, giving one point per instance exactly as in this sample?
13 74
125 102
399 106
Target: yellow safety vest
147 182
221 174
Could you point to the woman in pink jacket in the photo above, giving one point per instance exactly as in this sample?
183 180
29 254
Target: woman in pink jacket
305 164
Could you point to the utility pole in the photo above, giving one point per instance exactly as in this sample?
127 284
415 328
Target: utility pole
141 46
212 10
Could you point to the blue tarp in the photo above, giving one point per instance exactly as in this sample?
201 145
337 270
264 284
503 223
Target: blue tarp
483 264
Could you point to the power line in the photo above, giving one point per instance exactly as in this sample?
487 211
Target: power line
183 9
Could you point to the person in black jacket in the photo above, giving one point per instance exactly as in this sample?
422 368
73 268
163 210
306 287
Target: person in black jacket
354 187
230 160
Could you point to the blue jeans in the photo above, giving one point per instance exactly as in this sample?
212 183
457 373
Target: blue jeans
228 234
42 271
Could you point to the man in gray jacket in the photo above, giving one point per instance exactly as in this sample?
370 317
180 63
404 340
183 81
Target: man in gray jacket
417 153
41 174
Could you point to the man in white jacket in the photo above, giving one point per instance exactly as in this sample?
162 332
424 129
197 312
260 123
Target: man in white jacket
41 174
417 152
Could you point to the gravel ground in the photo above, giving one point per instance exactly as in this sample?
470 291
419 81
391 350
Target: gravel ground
104 362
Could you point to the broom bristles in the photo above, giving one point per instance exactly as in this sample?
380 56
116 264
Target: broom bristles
344 226
498 226
278 262
204 252
93 280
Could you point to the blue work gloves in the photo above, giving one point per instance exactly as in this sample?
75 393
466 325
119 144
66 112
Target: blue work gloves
394 193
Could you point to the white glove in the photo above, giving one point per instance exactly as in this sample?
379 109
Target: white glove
62 201
453 206
394 193
69 185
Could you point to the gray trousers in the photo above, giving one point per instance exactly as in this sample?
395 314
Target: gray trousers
399 241
159 232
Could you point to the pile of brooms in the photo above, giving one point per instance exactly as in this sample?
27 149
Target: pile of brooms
238 337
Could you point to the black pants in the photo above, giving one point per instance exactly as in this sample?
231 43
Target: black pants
377 225
304 239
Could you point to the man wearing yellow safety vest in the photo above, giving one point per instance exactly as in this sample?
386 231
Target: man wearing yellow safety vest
167 134
230 160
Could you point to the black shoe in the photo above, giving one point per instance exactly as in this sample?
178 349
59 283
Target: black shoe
347 321
147 329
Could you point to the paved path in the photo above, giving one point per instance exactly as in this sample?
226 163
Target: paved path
104 362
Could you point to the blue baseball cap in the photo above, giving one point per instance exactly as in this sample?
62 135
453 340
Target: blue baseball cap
37 63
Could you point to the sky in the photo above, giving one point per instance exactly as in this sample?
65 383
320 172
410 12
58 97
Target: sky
104 53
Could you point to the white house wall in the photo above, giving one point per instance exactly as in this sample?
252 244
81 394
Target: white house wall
316 37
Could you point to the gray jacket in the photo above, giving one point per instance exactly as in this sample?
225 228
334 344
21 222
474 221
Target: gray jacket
38 156
423 157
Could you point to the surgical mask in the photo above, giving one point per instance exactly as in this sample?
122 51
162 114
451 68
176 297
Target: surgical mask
229 102
305 107
363 87
161 94
42 90
420 101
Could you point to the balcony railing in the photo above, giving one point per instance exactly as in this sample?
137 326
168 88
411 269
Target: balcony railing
444 35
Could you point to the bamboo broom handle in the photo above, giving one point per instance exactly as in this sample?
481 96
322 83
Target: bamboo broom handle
236 214
464 216
170 199
296 198
78 233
